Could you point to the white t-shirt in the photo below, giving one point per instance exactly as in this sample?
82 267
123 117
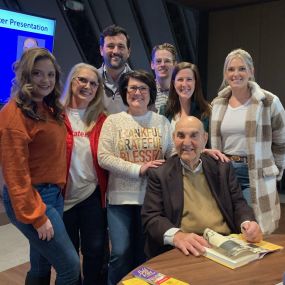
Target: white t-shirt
233 130
82 178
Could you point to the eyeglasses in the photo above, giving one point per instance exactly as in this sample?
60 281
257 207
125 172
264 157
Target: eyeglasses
84 81
133 89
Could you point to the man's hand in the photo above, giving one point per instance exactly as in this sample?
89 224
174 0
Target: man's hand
251 231
190 243
45 231
216 154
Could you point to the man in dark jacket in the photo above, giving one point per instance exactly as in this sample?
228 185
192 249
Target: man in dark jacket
191 192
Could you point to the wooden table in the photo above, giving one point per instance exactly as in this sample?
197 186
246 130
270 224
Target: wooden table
202 271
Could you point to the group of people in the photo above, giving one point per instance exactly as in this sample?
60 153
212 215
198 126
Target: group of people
122 150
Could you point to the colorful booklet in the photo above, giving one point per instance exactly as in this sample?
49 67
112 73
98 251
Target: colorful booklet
233 251
134 281
153 277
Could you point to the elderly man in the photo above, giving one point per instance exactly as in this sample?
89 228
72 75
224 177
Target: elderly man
191 192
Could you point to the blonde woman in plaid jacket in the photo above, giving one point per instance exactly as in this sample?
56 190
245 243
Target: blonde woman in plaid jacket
248 125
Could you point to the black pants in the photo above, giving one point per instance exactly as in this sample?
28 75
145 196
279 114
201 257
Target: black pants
86 224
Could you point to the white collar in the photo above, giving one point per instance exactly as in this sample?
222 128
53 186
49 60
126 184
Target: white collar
198 168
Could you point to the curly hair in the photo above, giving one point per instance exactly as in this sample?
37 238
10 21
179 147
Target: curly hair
96 105
22 88
173 104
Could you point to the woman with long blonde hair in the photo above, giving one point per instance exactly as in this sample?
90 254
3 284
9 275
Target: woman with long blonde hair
248 125
84 213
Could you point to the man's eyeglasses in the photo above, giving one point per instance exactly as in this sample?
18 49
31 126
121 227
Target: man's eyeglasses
84 81
133 89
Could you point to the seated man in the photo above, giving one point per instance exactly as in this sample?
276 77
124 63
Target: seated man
190 192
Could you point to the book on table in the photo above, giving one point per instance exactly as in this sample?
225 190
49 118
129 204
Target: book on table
145 274
233 251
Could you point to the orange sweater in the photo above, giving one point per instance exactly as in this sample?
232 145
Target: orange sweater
31 152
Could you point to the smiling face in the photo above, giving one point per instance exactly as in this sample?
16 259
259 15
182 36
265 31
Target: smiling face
184 84
138 97
163 64
43 78
190 140
83 88
115 51
237 73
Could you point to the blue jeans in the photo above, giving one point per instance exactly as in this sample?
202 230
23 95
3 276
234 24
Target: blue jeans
86 225
127 240
59 251
241 171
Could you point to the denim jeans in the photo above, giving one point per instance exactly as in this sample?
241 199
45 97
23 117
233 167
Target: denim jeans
127 240
241 171
86 225
59 251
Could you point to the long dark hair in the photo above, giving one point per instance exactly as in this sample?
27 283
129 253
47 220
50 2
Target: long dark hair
22 89
173 104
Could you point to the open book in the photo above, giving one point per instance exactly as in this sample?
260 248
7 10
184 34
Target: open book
233 251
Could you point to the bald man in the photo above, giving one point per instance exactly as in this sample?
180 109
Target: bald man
29 43
190 192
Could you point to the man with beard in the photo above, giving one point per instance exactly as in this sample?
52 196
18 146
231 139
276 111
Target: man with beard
163 59
115 50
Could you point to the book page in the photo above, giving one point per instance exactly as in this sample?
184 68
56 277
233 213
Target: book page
226 245
263 245
234 251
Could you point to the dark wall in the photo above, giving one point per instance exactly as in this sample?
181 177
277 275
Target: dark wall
147 22
259 29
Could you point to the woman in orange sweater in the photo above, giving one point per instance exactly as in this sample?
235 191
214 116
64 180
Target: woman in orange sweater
33 160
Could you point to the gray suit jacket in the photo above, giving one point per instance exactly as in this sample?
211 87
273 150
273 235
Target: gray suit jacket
163 204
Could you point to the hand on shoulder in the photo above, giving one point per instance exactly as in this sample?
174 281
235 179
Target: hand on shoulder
216 154
150 164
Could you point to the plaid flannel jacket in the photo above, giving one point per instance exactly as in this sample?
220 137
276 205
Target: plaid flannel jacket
265 133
